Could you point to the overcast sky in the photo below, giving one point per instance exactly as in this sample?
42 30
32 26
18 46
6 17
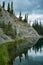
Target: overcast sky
31 7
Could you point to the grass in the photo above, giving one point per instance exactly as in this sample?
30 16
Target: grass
7 50
4 57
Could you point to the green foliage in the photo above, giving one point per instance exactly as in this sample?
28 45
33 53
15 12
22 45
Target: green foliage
8 49
15 32
3 25
8 30
0 9
38 27
4 58
11 7
20 17
9 26
25 19
8 8
3 4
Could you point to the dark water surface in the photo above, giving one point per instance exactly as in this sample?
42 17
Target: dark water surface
33 56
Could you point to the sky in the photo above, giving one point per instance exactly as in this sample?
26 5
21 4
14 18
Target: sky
32 7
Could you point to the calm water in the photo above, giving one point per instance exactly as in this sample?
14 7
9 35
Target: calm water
33 56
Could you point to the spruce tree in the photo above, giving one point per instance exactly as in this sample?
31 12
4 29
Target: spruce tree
25 19
15 32
3 4
11 7
9 26
8 8
20 17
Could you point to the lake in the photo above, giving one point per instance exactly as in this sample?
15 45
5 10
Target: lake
32 56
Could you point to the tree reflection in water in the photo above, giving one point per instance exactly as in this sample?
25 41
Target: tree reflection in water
32 56
38 46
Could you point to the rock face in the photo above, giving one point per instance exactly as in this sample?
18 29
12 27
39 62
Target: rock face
5 16
23 29
4 37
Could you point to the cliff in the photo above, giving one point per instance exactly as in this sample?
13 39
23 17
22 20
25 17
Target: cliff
23 29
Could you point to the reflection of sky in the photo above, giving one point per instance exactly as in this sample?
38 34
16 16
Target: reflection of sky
32 53
34 56
31 58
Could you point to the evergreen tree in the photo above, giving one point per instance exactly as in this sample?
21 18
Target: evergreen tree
40 24
38 27
15 32
25 19
8 8
3 25
11 7
3 4
20 17
9 26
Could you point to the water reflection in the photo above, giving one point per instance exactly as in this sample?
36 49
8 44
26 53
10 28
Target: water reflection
20 57
38 46
34 56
